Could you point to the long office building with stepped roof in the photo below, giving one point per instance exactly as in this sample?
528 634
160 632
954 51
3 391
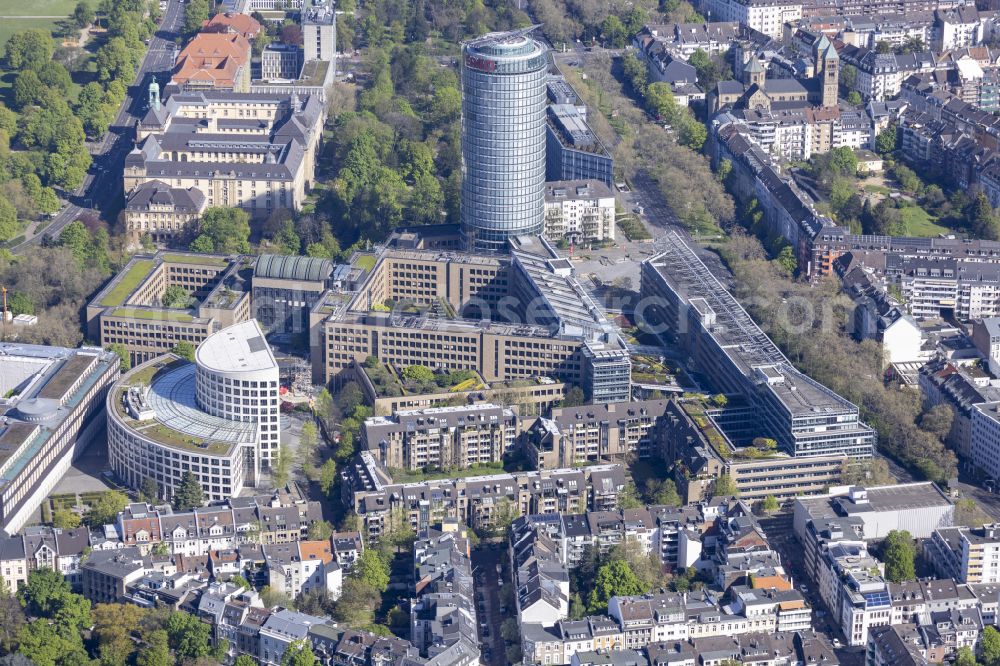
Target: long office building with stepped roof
216 417
51 407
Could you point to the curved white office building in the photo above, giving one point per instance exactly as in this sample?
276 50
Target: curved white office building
217 417
503 139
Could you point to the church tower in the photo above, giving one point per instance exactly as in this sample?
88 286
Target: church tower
827 71
754 73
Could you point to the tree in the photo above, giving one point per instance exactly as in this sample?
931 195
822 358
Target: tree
28 89
327 476
854 98
224 231
298 653
245 660
724 486
900 556
281 468
76 238
286 241
320 530
660 101
43 592
48 644
886 140
115 60
663 492
574 397
989 646
446 106
20 304
106 508
786 260
157 650
965 657
770 504
308 440
65 519
613 31
614 578
195 13
114 626
240 581
190 494
938 419
420 374
184 349
29 49
844 161
83 14
371 569
149 491
188 636
175 296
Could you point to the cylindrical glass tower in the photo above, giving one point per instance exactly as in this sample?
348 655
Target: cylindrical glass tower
503 139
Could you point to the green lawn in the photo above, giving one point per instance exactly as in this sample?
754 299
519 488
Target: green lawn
365 262
38 8
155 315
127 283
920 223
203 259
8 26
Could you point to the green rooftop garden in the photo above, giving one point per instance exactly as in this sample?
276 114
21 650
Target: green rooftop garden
419 380
203 259
695 407
157 315
649 370
365 261
128 282
171 437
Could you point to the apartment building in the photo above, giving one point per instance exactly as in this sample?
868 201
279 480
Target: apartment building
52 407
301 567
966 554
443 626
595 433
985 437
787 210
442 437
765 16
472 501
687 302
541 578
986 337
255 151
580 211
162 212
513 318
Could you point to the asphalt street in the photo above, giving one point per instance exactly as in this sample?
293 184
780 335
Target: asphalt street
102 187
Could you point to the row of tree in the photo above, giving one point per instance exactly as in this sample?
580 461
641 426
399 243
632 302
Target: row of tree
810 322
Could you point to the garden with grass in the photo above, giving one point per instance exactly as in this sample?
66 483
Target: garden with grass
419 379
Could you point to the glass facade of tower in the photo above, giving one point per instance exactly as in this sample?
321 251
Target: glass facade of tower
503 139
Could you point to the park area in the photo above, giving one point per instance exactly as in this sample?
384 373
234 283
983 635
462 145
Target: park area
39 14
